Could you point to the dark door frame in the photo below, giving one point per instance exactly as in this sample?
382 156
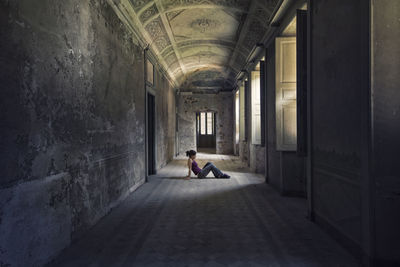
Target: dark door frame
309 117
149 89
151 158
214 128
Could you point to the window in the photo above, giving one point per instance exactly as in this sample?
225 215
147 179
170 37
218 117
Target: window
202 123
197 122
255 107
242 115
237 108
206 126
150 72
286 114
210 123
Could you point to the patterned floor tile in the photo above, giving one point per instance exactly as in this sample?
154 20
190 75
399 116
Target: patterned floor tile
206 222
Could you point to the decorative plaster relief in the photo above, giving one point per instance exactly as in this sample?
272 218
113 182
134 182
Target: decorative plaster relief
262 15
204 34
204 24
148 13
255 33
139 4
161 43
171 15
171 59
154 28
204 42
239 4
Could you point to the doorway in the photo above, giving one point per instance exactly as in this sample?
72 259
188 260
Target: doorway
151 136
205 129
237 122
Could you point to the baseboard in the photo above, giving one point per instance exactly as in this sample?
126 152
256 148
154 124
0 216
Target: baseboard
135 187
384 263
350 245
286 193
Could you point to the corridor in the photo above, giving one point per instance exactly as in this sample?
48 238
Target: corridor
174 222
102 102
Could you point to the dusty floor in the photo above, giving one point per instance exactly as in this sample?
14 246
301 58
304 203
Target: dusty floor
209 222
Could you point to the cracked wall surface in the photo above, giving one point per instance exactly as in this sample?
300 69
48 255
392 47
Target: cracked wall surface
190 104
165 121
72 123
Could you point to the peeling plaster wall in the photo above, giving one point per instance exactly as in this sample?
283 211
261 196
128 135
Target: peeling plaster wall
72 123
165 120
235 145
257 158
253 155
221 104
244 151
256 153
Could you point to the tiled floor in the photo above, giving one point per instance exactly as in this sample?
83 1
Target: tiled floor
206 222
208 150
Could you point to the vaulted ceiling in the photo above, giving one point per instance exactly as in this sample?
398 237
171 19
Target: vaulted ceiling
202 44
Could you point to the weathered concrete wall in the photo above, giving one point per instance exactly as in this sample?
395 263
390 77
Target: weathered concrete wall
165 120
253 155
339 116
244 153
234 142
257 158
190 104
72 123
386 129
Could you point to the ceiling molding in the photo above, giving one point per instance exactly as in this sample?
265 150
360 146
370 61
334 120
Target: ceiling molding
196 41
170 34
210 6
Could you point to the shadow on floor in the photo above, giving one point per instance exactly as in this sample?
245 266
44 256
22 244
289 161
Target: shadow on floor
206 222
210 176
206 150
229 165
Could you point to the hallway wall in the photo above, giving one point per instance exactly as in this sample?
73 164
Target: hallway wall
340 95
244 153
257 158
256 153
252 154
386 129
72 123
285 169
165 120
221 104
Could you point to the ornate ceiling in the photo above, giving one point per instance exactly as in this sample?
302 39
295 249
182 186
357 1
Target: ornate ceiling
202 44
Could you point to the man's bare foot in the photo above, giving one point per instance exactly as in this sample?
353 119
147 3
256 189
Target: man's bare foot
187 178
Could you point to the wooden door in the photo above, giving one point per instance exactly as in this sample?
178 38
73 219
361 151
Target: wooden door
255 108
286 118
206 129
301 35
242 117
151 137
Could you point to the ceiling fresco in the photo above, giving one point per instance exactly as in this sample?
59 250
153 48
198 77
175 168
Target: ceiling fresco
202 44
